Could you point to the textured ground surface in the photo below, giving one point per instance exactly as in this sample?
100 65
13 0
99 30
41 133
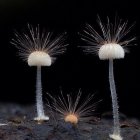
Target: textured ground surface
20 126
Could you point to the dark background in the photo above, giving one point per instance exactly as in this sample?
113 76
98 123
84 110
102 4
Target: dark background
74 69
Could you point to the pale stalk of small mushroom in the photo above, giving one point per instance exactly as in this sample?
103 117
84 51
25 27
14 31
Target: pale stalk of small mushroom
109 45
39 49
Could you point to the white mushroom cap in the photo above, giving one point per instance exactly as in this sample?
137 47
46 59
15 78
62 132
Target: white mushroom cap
39 58
111 51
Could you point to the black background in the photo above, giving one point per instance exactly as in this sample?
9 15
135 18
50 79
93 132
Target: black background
74 69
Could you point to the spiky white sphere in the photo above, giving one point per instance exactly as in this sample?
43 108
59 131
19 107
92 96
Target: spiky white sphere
39 58
110 41
111 51
38 47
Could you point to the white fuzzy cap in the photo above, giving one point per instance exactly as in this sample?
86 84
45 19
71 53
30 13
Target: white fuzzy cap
39 58
111 51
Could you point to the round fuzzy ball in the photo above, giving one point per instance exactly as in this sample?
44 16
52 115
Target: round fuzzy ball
110 41
72 118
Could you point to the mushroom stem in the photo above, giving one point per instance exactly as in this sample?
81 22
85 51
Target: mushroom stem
115 106
39 101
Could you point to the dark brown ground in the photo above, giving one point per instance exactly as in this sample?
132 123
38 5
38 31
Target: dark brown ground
22 127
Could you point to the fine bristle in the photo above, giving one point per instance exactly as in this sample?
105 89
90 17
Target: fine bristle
39 58
108 33
71 109
111 51
36 40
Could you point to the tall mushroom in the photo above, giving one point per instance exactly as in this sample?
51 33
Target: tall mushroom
38 48
109 44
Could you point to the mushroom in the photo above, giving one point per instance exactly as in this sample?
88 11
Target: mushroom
38 48
109 44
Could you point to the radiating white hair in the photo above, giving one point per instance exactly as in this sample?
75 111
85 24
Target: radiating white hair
67 105
38 47
110 42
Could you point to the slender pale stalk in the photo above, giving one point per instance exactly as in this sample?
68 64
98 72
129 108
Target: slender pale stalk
39 100
115 106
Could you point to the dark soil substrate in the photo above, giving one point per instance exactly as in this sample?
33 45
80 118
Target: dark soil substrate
21 126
